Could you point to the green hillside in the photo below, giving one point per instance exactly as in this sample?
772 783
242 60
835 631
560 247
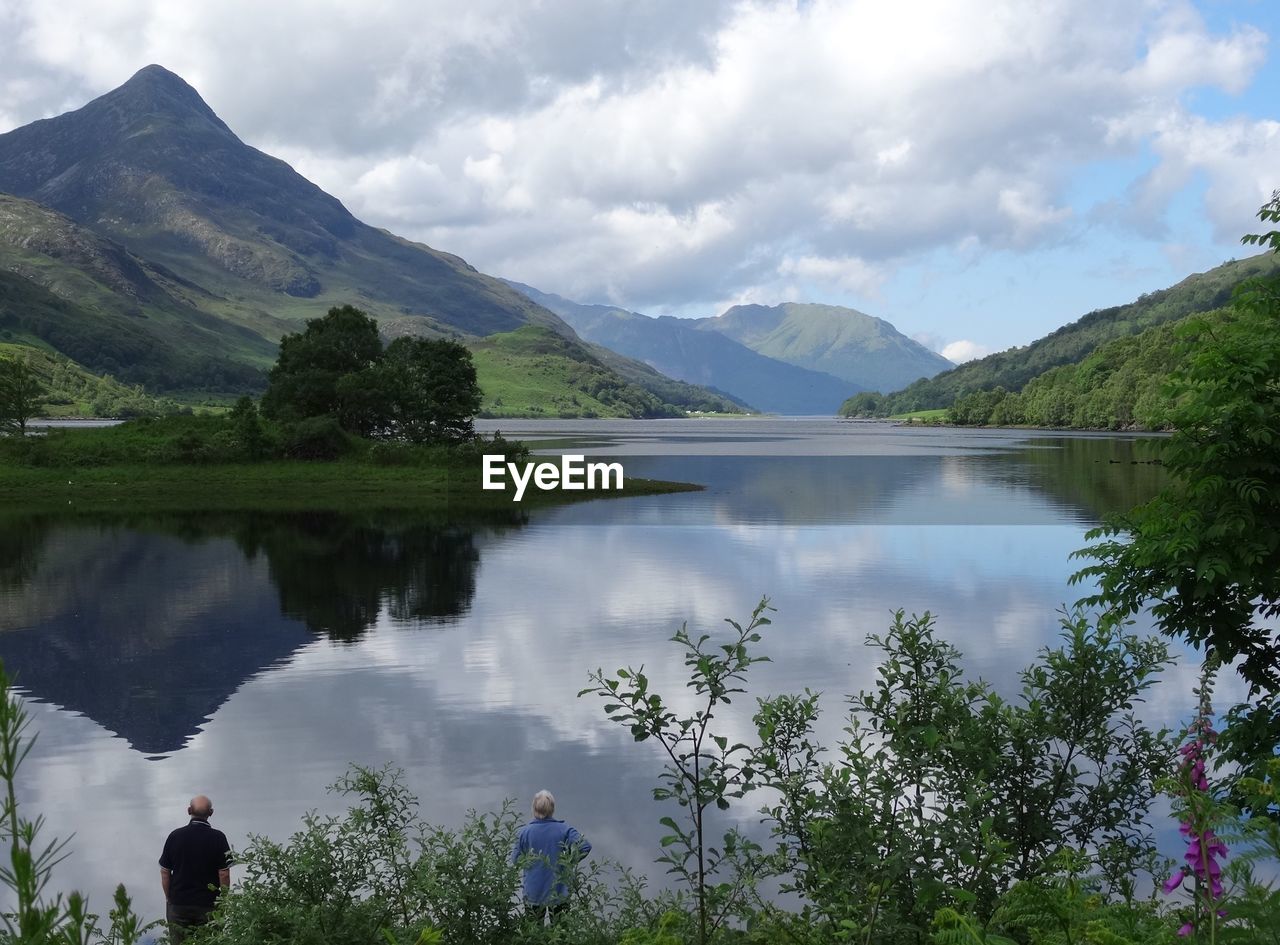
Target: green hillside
106 309
534 371
1013 369
1119 386
74 392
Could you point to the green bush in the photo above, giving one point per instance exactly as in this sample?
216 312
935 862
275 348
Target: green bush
316 438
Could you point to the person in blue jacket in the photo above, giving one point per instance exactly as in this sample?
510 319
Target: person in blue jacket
548 849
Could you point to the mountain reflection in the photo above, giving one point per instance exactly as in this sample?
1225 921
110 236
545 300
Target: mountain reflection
1028 479
148 624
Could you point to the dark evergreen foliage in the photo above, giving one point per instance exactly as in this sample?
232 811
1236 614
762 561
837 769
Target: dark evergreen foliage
419 390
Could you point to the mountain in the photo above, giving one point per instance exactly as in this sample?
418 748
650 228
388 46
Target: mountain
155 245
150 166
64 287
867 352
1074 342
679 349
148 626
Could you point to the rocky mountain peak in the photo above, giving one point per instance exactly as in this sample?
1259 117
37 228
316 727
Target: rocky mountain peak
153 91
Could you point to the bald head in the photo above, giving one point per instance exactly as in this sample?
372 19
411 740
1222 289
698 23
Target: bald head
200 806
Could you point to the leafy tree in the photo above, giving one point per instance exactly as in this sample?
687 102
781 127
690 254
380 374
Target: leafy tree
420 390
21 394
367 401
432 389
249 433
946 794
866 404
703 770
304 381
1206 550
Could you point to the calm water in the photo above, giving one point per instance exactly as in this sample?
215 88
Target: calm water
253 657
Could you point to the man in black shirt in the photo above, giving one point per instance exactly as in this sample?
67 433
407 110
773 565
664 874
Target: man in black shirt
194 867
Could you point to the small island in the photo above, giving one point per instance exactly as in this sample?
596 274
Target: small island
345 422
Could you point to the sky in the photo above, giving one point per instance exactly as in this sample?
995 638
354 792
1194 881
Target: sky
977 172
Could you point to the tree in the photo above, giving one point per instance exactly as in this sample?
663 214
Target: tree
1206 550
304 381
433 389
21 394
701 769
417 389
944 793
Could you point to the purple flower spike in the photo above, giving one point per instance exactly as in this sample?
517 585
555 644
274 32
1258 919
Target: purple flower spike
1204 848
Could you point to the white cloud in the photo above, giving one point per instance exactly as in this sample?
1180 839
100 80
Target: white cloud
849 272
958 352
673 155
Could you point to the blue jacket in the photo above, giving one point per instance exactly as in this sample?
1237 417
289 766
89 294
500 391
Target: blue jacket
552 848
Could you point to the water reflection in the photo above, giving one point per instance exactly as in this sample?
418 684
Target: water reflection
337 574
1036 481
148 624
262 654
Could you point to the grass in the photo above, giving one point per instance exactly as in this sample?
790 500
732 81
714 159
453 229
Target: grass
922 416
534 372
71 391
203 463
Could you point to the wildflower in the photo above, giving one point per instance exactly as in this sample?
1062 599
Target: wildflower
1205 849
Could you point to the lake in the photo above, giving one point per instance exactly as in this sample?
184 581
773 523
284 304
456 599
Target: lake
253 657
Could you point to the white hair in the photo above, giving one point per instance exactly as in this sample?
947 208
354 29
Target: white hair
544 805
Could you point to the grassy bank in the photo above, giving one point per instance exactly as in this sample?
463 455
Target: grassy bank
280 485
204 463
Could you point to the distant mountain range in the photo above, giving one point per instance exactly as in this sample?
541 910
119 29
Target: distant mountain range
789 359
676 347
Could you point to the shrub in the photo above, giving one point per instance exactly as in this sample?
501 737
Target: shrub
315 438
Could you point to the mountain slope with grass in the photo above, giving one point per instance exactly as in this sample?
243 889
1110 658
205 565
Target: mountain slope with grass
867 352
64 286
1071 344
71 391
677 348
535 372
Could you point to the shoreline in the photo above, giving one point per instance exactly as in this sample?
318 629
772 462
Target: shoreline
281 485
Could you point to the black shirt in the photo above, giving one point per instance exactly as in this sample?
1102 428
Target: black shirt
193 855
